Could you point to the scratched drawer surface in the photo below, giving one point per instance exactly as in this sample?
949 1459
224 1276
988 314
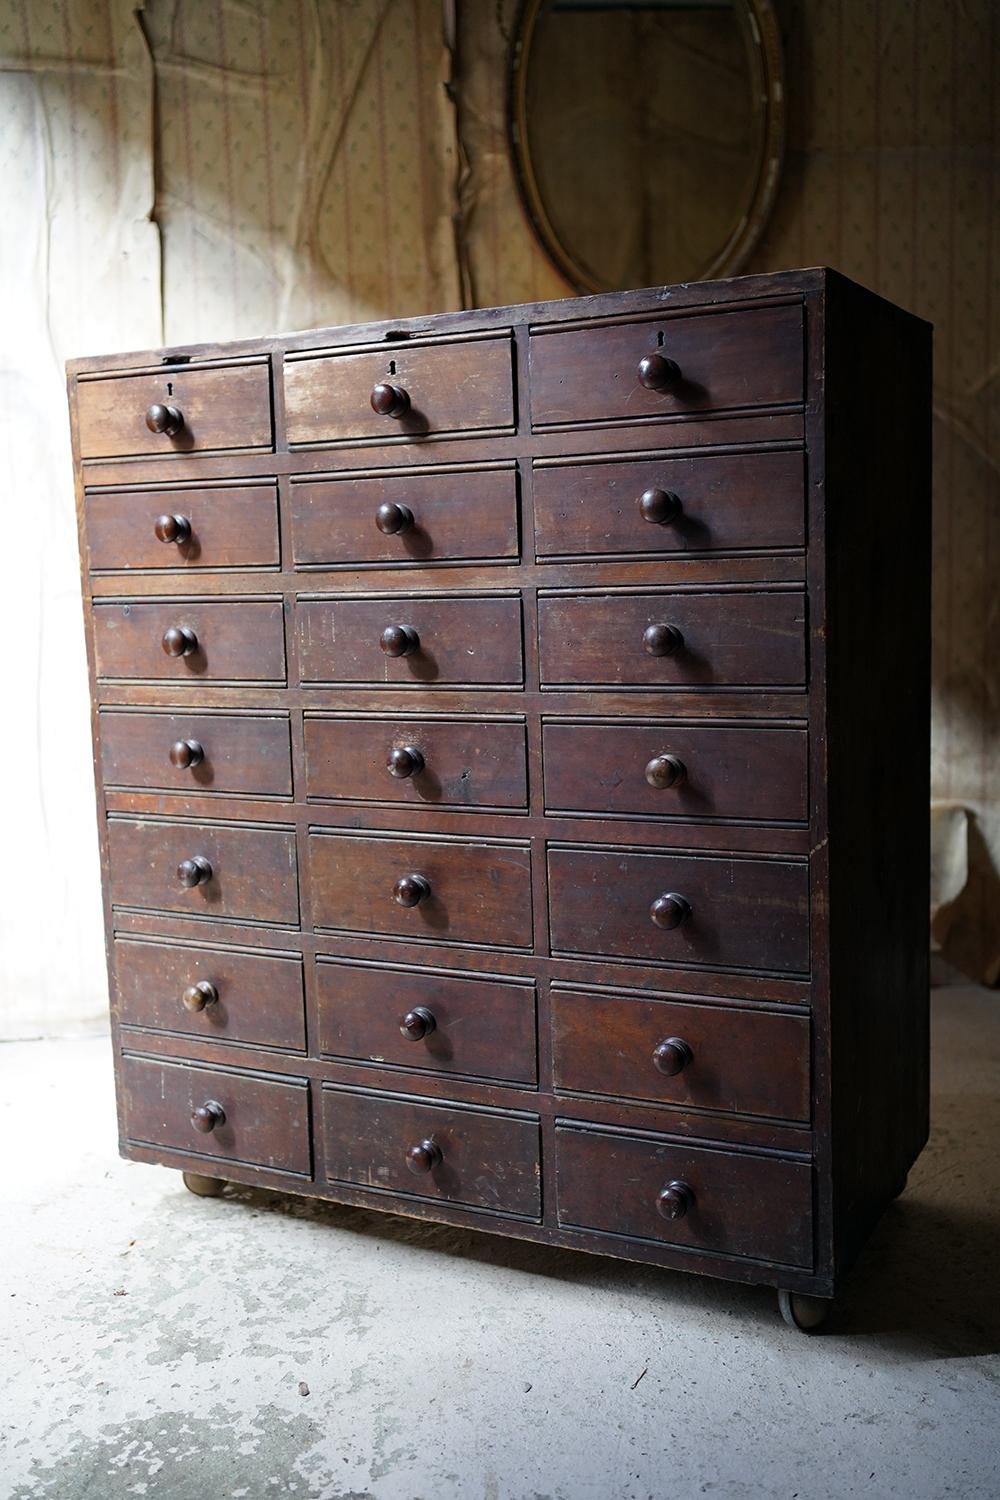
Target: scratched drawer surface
204 869
191 640
679 909
178 410
212 993
223 526
440 1151
197 753
429 1021
226 1115
405 518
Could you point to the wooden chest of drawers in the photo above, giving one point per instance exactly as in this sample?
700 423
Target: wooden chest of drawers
511 732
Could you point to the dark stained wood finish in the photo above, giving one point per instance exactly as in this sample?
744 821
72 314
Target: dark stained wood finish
227 407
745 913
727 773
455 387
456 514
728 502
741 1204
731 639
235 641
244 754
230 527
753 357
465 762
481 1028
253 869
751 1062
488 1160
478 892
462 641
266 1121
259 997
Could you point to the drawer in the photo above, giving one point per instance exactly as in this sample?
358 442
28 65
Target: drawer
226 406
673 640
446 1152
464 385
402 641
716 1057
457 891
736 913
248 873
657 506
236 1117
476 1026
734 1204
213 641
426 762
740 358
244 997
224 527
671 770
405 518
191 752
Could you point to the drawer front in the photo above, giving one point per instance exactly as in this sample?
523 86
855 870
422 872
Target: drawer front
406 518
471 642
670 770
741 913
456 387
230 642
258 1122
753 1206
749 357
220 408
465 1155
422 1019
698 1056
251 872
228 527
673 640
190 752
243 997
426 762
464 892
662 505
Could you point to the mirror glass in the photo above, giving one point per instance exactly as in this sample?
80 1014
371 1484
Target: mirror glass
647 135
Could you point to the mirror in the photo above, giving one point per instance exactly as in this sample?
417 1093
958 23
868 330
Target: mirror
647 135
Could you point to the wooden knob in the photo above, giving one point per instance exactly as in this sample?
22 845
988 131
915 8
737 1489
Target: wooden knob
197 996
661 640
404 760
172 529
417 1024
675 1201
423 1157
410 890
660 507
179 640
167 420
186 753
657 373
391 519
390 400
194 871
669 911
672 1056
208 1116
665 771
399 640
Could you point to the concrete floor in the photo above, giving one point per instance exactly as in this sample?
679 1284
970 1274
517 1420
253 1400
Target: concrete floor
190 1349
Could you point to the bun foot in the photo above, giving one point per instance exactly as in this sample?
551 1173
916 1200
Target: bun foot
203 1187
803 1312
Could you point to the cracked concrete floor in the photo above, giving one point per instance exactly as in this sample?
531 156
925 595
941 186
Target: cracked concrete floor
166 1346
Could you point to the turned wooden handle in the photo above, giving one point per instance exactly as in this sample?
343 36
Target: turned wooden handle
661 640
423 1156
399 640
208 1116
179 640
657 373
660 507
197 996
194 871
185 753
404 760
672 1056
664 771
410 890
417 1023
669 910
675 1200
172 529
166 420
390 400
393 518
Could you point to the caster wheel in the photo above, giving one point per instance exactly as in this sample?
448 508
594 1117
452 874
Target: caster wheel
803 1312
203 1187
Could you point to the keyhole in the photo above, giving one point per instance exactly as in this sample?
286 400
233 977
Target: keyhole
659 339
170 387
392 367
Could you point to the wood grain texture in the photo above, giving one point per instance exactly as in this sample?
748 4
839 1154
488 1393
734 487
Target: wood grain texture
244 754
235 641
231 527
222 408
